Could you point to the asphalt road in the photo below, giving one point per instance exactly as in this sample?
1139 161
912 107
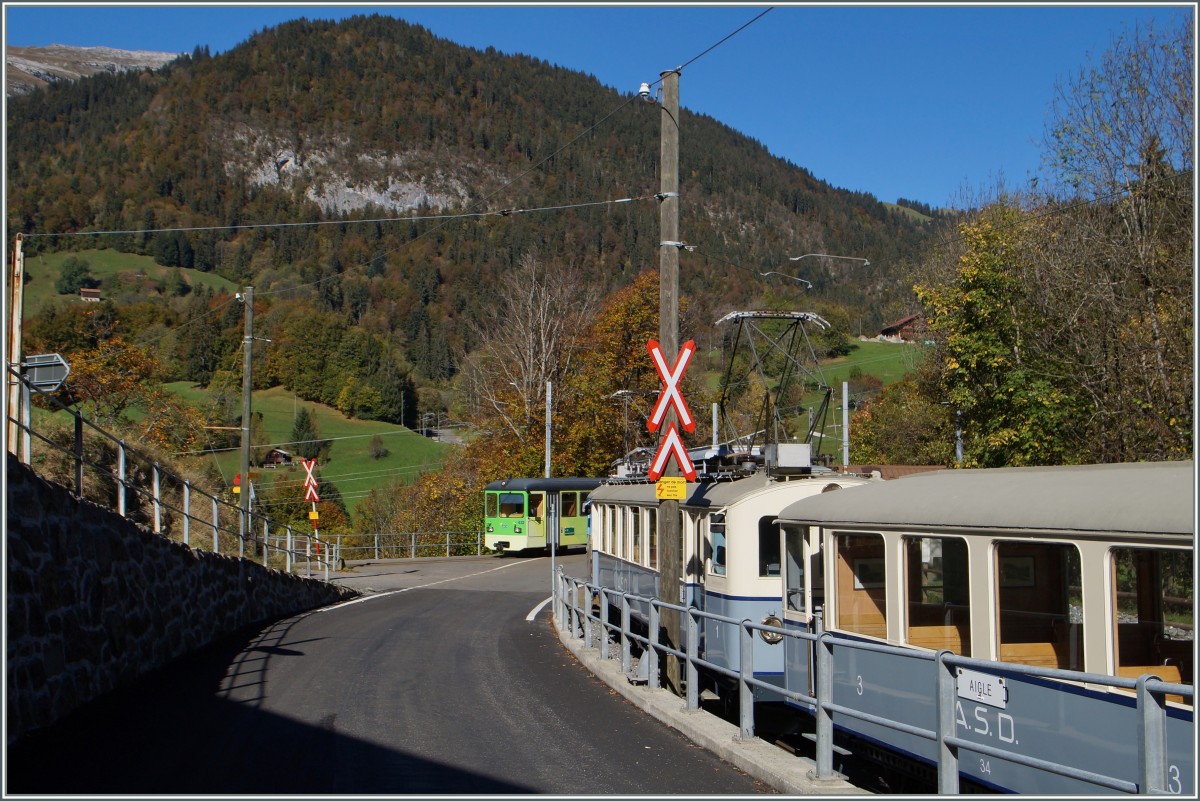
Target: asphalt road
434 682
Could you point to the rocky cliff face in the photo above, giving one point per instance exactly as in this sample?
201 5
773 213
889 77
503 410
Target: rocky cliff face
29 68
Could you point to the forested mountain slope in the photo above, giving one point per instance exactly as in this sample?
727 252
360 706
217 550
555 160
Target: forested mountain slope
352 172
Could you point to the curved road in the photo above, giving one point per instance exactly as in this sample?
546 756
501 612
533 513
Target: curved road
434 682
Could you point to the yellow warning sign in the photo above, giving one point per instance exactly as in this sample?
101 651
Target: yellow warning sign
670 488
313 516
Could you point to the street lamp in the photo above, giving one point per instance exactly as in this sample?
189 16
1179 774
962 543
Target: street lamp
808 284
829 256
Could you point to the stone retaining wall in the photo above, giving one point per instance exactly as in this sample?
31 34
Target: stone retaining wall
94 601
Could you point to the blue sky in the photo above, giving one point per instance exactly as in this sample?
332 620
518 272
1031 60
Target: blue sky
934 102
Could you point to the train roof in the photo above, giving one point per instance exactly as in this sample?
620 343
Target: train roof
710 493
1141 498
527 484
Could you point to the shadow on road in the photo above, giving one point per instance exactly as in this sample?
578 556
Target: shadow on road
172 733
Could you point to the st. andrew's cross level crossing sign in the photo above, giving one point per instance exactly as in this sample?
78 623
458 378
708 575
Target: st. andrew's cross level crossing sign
669 398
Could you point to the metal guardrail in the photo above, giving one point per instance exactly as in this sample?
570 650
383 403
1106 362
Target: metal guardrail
105 469
578 621
414 545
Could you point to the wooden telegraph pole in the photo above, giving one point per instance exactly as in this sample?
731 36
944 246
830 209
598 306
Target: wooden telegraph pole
247 386
16 302
669 529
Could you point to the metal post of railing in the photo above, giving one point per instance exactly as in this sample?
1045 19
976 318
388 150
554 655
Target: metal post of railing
26 415
266 543
559 602
824 687
651 654
946 723
187 512
588 626
447 544
412 553
288 553
693 672
121 481
626 655
308 556
156 487
78 455
603 623
745 689
376 546
479 543
1151 730
576 623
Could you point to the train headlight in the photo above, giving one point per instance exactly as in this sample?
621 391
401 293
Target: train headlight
516 529
771 637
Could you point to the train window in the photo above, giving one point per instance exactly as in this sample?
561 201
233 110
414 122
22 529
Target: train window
635 521
492 505
537 505
1155 607
794 575
512 504
652 537
860 584
1040 604
716 531
937 593
570 504
768 547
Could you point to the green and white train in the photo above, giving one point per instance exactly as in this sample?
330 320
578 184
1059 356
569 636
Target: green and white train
518 513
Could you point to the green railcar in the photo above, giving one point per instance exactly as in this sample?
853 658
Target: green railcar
517 512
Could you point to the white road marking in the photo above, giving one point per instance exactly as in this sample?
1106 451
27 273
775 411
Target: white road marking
406 589
534 612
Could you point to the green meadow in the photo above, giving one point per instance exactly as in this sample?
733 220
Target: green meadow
125 277
351 466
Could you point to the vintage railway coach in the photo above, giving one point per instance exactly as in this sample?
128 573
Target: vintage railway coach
731 560
517 512
1080 568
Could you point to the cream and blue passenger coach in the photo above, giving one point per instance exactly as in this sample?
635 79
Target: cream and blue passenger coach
1085 568
731 560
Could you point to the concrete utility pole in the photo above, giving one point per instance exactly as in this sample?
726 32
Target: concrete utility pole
669 529
16 288
248 345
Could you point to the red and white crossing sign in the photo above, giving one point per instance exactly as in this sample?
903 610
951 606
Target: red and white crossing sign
671 445
310 482
670 395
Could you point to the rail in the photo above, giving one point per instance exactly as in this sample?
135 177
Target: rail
106 470
576 619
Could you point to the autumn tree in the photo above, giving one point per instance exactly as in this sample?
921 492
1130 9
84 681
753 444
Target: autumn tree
1064 313
531 333
1118 262
613 385
1012 411
902 425
116 380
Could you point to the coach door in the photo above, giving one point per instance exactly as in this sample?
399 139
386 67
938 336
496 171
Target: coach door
538 520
